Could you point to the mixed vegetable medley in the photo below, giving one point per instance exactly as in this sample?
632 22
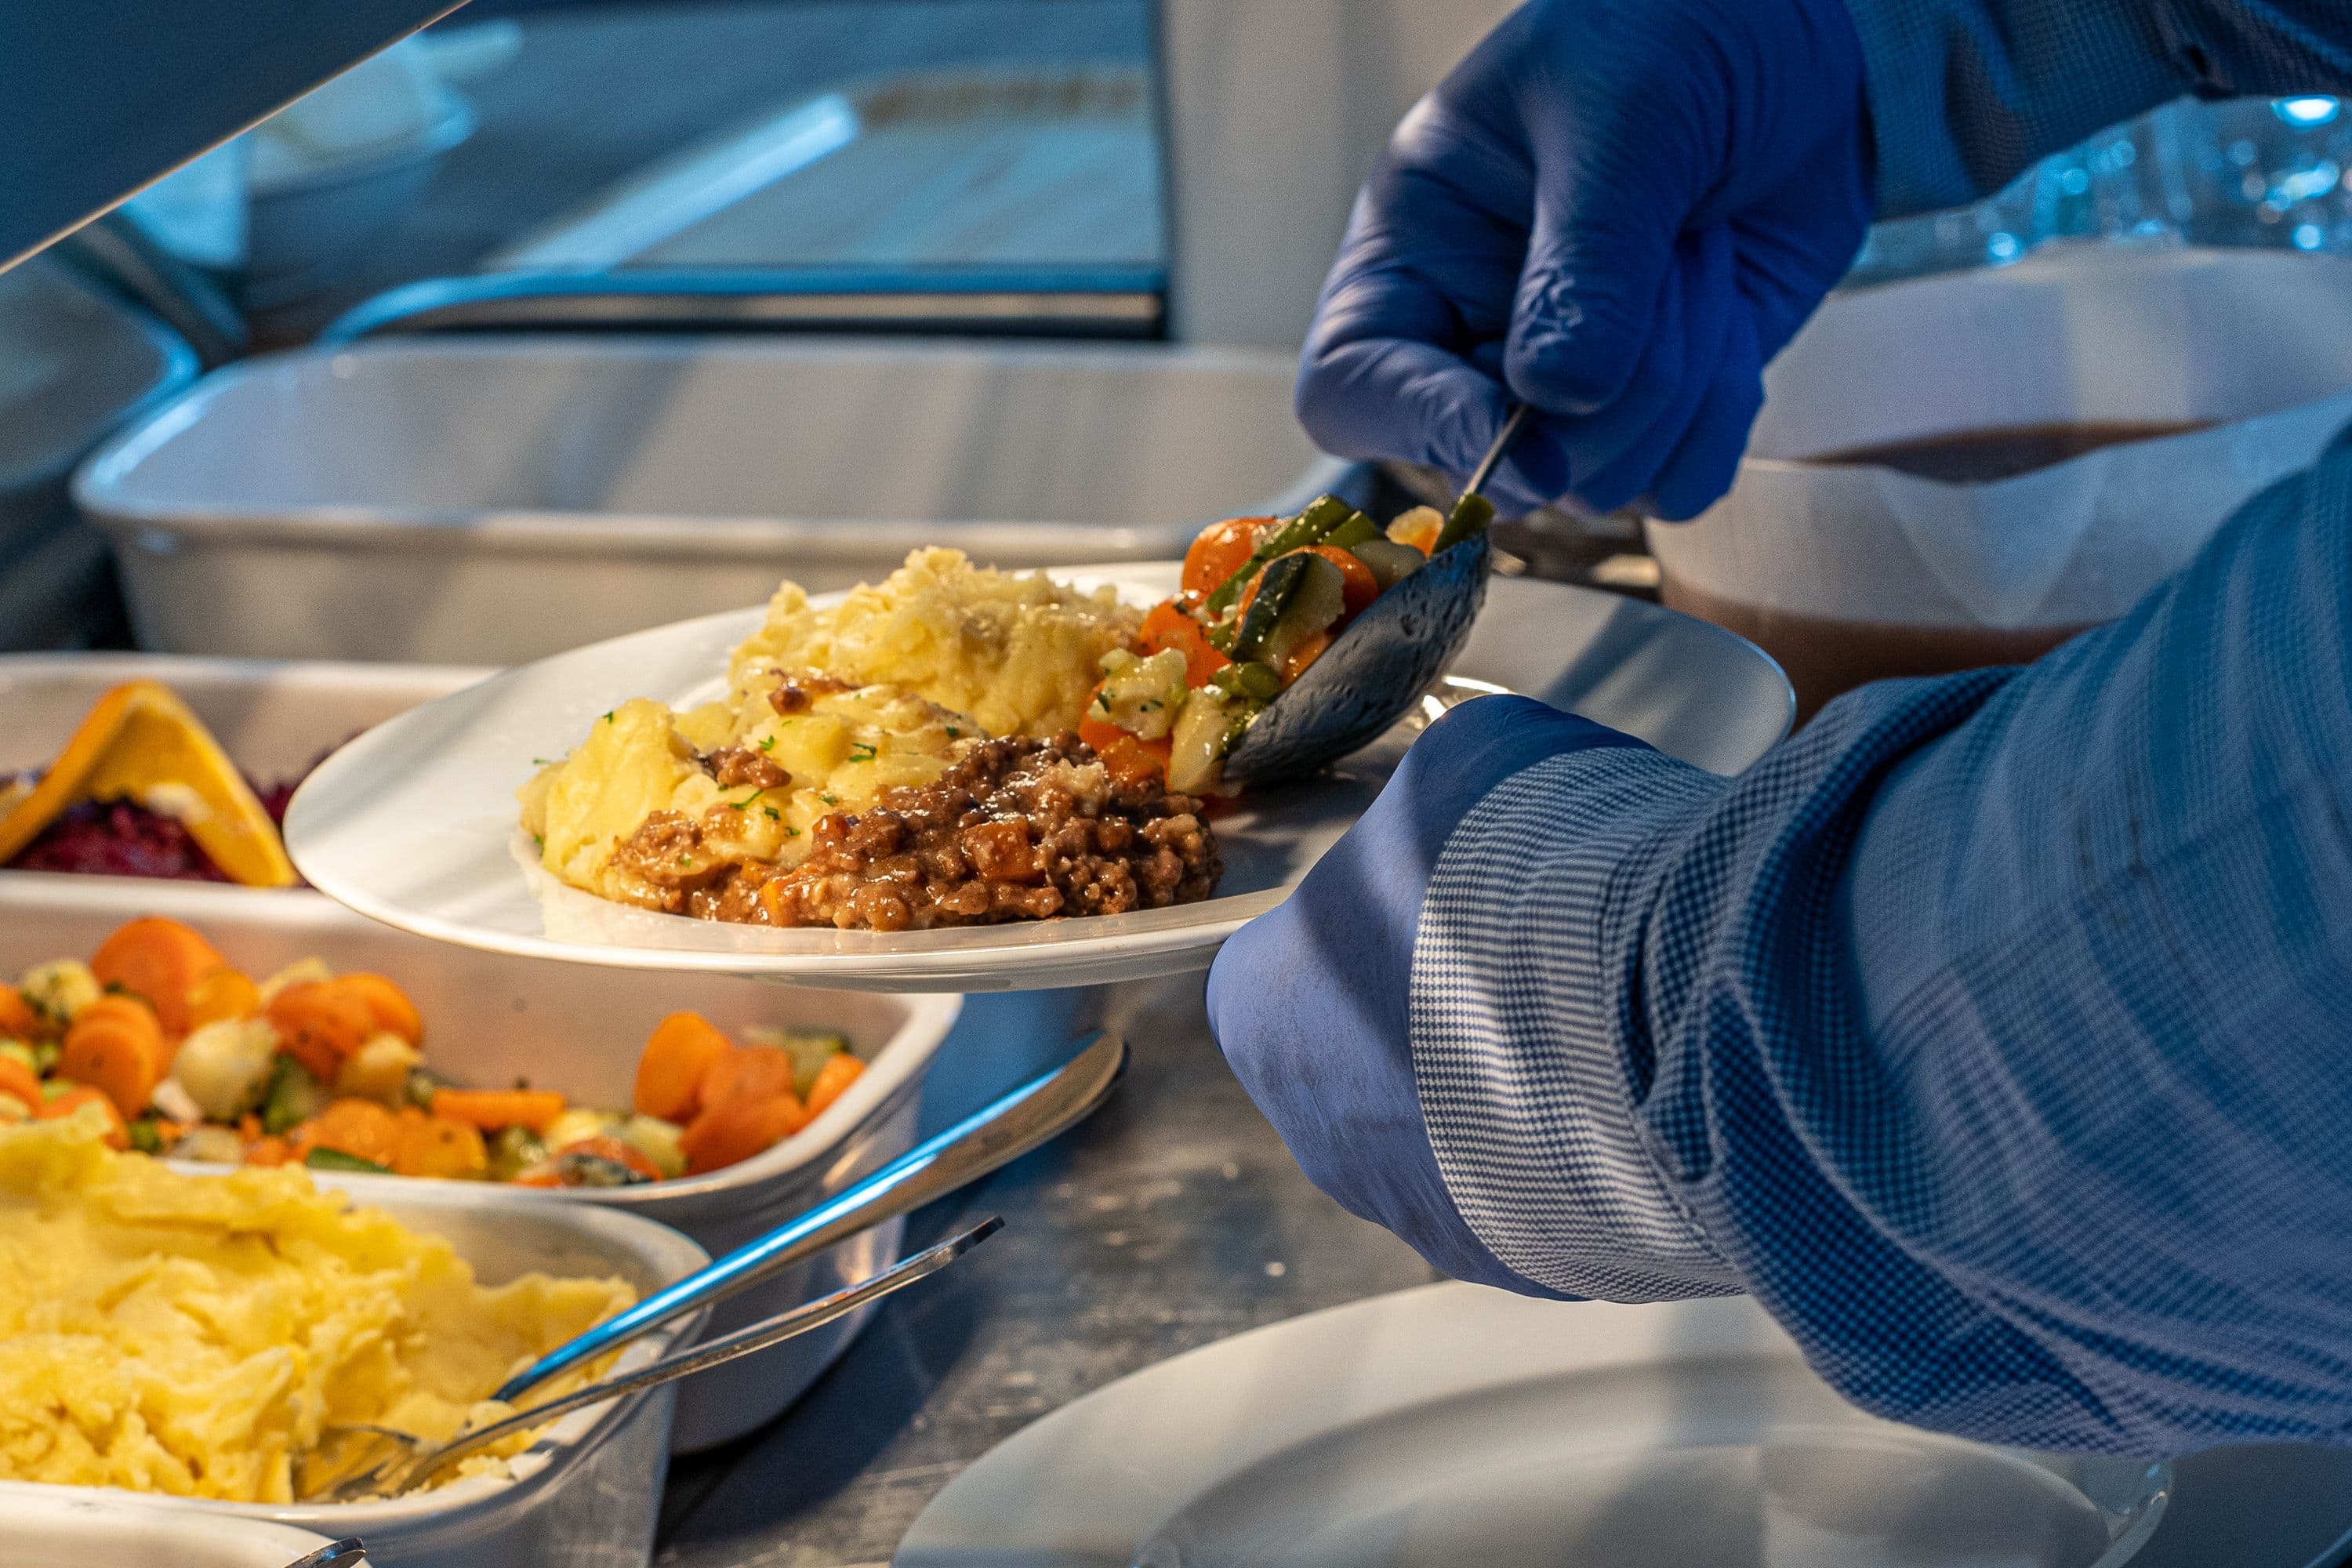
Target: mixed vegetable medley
1261 598
193 1059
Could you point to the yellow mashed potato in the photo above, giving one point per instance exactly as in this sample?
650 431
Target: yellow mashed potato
939 653
842 752
190 1334
1019 653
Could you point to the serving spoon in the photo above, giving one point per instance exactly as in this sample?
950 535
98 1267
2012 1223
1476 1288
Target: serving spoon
1005 1129
1375 671
363 1462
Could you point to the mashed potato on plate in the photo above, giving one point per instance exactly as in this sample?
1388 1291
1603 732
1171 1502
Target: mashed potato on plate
1017 652
825 710
191 1335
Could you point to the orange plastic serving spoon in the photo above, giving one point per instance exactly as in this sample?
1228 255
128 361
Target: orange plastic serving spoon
140 743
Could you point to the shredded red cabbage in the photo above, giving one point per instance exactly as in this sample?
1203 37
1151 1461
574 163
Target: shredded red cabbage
119 838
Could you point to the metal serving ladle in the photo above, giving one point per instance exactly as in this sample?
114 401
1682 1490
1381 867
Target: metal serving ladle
377 1461
1375 671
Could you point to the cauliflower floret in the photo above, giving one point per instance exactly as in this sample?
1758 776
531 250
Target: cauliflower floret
60 989
1142 696
225 1067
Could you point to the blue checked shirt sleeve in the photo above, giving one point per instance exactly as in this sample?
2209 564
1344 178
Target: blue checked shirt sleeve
1996 1031
1964 94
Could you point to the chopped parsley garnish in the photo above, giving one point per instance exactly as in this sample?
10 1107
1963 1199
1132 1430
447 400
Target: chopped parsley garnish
767 743
773 814
954 733
792 832
830 800
608 715
861 750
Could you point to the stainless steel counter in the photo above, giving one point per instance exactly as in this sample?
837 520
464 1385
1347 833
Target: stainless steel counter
1173 1218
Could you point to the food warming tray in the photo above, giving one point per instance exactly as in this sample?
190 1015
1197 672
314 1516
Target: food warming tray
493 499
490 1020
586 1495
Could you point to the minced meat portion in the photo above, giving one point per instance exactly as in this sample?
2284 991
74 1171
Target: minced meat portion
1017 829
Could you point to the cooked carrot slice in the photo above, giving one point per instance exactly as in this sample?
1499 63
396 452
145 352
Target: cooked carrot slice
269 1151
360 1128
119 1135
221 996
491 1109
1167 626
160 961
678 1055
19 1021
600 1147
1131 760
1308 650
387 1004
440 1146
116 1046
1218 552
840 1070
732 1131
747 1073
20 1083
319 1023
1098 732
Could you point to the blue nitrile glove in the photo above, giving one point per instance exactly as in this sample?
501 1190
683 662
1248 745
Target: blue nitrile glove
1309 1002
1620 208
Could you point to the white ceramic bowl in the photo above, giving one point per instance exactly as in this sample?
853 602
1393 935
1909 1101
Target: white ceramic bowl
586 1495
491 1020
59 1527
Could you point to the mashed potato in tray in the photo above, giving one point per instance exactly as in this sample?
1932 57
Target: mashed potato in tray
191 1335
825 710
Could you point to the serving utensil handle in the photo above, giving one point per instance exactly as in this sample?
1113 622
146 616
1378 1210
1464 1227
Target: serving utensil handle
686 1363
998 1132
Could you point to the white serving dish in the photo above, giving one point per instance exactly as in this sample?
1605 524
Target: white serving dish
414 822
493 499
1455 1425
64 1526
490 1020
587 1493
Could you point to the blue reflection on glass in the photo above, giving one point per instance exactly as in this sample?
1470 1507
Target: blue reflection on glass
2306 110
2307 236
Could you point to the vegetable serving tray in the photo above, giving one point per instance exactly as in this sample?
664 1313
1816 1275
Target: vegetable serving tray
414 822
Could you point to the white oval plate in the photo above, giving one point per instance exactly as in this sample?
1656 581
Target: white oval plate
414 823
1453 1424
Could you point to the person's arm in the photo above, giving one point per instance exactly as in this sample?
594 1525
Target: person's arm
1996 1031
1619 212
1965 94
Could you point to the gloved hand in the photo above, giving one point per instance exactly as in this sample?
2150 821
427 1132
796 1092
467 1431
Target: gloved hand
1620 209
1309 1003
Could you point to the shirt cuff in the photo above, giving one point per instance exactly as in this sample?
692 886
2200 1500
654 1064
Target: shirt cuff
1523 1004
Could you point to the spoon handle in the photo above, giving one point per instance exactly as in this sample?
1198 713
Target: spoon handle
1473 512
1512 425
1039 1110
727 1348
